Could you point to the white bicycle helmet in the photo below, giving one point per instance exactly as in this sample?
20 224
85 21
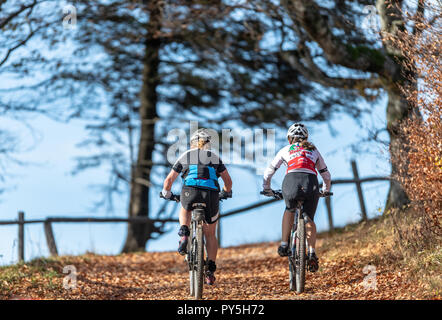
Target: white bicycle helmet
200 134
297 132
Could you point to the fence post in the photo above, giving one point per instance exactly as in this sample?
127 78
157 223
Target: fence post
359 189
329 214
21 236
50 238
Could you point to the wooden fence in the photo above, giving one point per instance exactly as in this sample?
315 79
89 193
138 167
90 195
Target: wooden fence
50 239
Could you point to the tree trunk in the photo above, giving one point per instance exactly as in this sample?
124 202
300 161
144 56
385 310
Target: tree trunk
139 233
398 109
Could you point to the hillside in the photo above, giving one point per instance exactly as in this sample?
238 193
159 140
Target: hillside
244 272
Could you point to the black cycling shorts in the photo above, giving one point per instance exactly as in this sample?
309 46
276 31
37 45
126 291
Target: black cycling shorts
191 195
301 186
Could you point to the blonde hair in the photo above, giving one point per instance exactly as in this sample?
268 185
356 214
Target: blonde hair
200 144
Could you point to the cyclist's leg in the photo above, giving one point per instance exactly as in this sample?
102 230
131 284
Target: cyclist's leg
212 250
211 198
188 195
184 232
310 206
211 241
313 261
311 235
287 224
184 217
209 228
290 193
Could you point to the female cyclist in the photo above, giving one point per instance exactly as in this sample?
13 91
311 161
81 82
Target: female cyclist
300 183
200 170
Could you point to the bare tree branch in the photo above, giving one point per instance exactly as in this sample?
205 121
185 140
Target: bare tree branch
308 15
313 72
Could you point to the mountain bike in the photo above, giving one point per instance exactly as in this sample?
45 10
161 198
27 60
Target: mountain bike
196 247
297 244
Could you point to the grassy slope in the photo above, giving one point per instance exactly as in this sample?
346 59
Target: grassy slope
244 272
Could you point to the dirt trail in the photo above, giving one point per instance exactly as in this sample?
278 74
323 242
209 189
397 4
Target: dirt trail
244 272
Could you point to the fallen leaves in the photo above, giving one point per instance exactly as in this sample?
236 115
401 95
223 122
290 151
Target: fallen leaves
251 272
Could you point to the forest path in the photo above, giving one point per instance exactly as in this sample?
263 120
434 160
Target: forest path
244 272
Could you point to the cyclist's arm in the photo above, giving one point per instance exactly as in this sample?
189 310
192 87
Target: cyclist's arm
325 174
271 169
171 177
222 172
227 180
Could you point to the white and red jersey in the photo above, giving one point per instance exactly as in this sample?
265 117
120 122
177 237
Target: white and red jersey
298 159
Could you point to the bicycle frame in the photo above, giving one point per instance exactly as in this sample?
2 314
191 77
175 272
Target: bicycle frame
296 217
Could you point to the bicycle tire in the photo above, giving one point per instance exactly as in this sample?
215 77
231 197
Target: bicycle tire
191 261
292 274
199 262
300 255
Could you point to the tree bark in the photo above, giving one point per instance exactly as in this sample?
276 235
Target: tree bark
398 109
138 234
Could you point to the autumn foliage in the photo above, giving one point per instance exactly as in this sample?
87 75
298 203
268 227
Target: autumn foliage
248 272
420 161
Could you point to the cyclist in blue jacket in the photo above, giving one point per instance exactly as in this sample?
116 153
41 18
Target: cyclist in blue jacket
200 169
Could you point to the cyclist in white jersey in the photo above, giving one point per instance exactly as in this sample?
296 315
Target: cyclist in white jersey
302 159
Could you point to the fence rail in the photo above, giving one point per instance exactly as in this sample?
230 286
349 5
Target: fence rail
50 239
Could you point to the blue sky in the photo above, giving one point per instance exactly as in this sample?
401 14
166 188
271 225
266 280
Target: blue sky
45 187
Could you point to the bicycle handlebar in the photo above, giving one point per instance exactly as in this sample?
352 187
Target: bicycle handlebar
177 197
277 194
173 197
224 195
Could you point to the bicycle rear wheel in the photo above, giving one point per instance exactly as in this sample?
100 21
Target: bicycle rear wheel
191 254
300 255
292 269
199 273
